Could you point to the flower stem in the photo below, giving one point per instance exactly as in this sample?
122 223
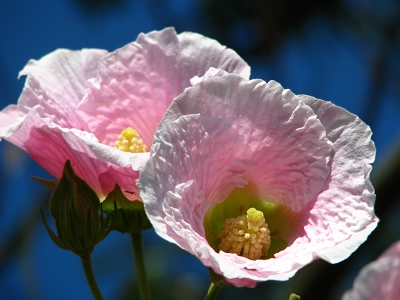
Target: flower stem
87 267
212 291
137 246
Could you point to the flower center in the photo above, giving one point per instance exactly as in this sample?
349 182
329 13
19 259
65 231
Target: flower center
246 235
129 141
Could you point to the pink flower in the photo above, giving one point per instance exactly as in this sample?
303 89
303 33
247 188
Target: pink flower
75 104
380 279
257 182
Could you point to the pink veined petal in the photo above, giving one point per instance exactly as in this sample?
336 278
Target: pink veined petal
288 142
379 279
123 168
138 82
56 84
51 146
195 161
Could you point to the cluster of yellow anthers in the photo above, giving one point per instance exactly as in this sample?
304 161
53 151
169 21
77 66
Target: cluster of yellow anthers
246 235
129 141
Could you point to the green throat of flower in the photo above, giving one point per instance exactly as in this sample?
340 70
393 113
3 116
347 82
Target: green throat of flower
246 236
129 141
250 226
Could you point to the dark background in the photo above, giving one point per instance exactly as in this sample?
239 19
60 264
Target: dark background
347 52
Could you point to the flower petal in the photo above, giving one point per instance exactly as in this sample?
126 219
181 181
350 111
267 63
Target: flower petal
288 141
211 72
138 82
10 122
51 146
196 161
379 279
343 214
392 251
56 84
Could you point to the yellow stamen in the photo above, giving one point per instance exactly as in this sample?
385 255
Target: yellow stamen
129 141
246 236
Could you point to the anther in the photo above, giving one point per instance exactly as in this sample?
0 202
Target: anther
253 228
129 141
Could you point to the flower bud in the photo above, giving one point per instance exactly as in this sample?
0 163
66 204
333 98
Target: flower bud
75 209
294 297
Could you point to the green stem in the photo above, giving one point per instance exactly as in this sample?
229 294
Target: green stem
87 267
212 291
137 246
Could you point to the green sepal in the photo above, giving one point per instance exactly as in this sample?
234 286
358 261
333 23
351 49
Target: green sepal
130 217
77 215
56 240
51 184
217 279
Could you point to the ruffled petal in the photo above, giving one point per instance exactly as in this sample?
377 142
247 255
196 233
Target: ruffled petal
343 214
196 161
51 146
138 82
211 72
10 122
56 84
288 142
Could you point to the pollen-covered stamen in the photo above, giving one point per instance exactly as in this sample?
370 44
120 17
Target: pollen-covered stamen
129 141
246 236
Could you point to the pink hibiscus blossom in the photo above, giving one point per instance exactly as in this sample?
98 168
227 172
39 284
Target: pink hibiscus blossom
75 104
257 182
380 279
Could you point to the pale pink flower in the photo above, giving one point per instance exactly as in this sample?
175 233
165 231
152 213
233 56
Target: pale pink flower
75 104
380 279
227 145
